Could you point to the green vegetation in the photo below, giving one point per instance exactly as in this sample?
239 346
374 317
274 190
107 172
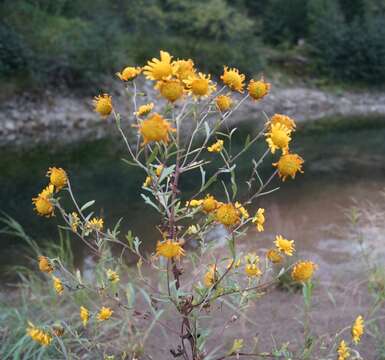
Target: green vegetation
51 42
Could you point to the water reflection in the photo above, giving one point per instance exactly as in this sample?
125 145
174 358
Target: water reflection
341 164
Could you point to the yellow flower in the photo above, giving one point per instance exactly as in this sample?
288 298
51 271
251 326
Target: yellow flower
358 329
284 245
147 181
95 224
278 138
211 276
289 165
112 276
252 270
144 109
216 147
223 102
274 256
74 221
104 314
303 271
192 229
169 249
200 85
45 265
159 69
129 73
284 120
155 128
38 335
43 205
236 347
258 89
57 177
103 105
259 219
242 210
209 204
170 89
84 315
47 191
233 79
227 214
159 170
194 203
58 285
183 69
343 351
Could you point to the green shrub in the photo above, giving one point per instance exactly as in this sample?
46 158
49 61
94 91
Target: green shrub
352 51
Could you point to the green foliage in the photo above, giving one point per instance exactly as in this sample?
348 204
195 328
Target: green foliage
54 42
352 51
285 21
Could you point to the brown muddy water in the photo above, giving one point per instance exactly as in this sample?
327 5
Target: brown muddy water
345 167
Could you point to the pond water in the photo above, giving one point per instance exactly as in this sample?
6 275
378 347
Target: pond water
345 162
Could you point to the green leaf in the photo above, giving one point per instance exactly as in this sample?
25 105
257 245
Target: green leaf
87 205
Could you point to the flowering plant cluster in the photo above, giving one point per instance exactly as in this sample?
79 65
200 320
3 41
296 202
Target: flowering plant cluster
193 278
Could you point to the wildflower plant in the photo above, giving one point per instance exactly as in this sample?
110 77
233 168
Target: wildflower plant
175 288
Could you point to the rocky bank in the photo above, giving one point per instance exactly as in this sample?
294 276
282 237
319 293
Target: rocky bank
52 118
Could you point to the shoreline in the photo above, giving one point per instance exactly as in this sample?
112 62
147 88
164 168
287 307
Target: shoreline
66 119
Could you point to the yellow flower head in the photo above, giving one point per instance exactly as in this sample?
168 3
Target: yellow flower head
144 109
343 351
283 245
211 276
47 191
274 256
104 314
216 147
147 181
129 73
159 69
289 165
194 203
252 270
192 229
169 249
57 177
259 219
43 205
233 79
95 224
74 221
284 120
209 204
200 85
84 315
112 276
303 271
242 210
278 138
58 285
358 329
38 335
227 214
223 102
155 128
258 89
171 89
103 105
234 263
183 69
45 265
159 170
